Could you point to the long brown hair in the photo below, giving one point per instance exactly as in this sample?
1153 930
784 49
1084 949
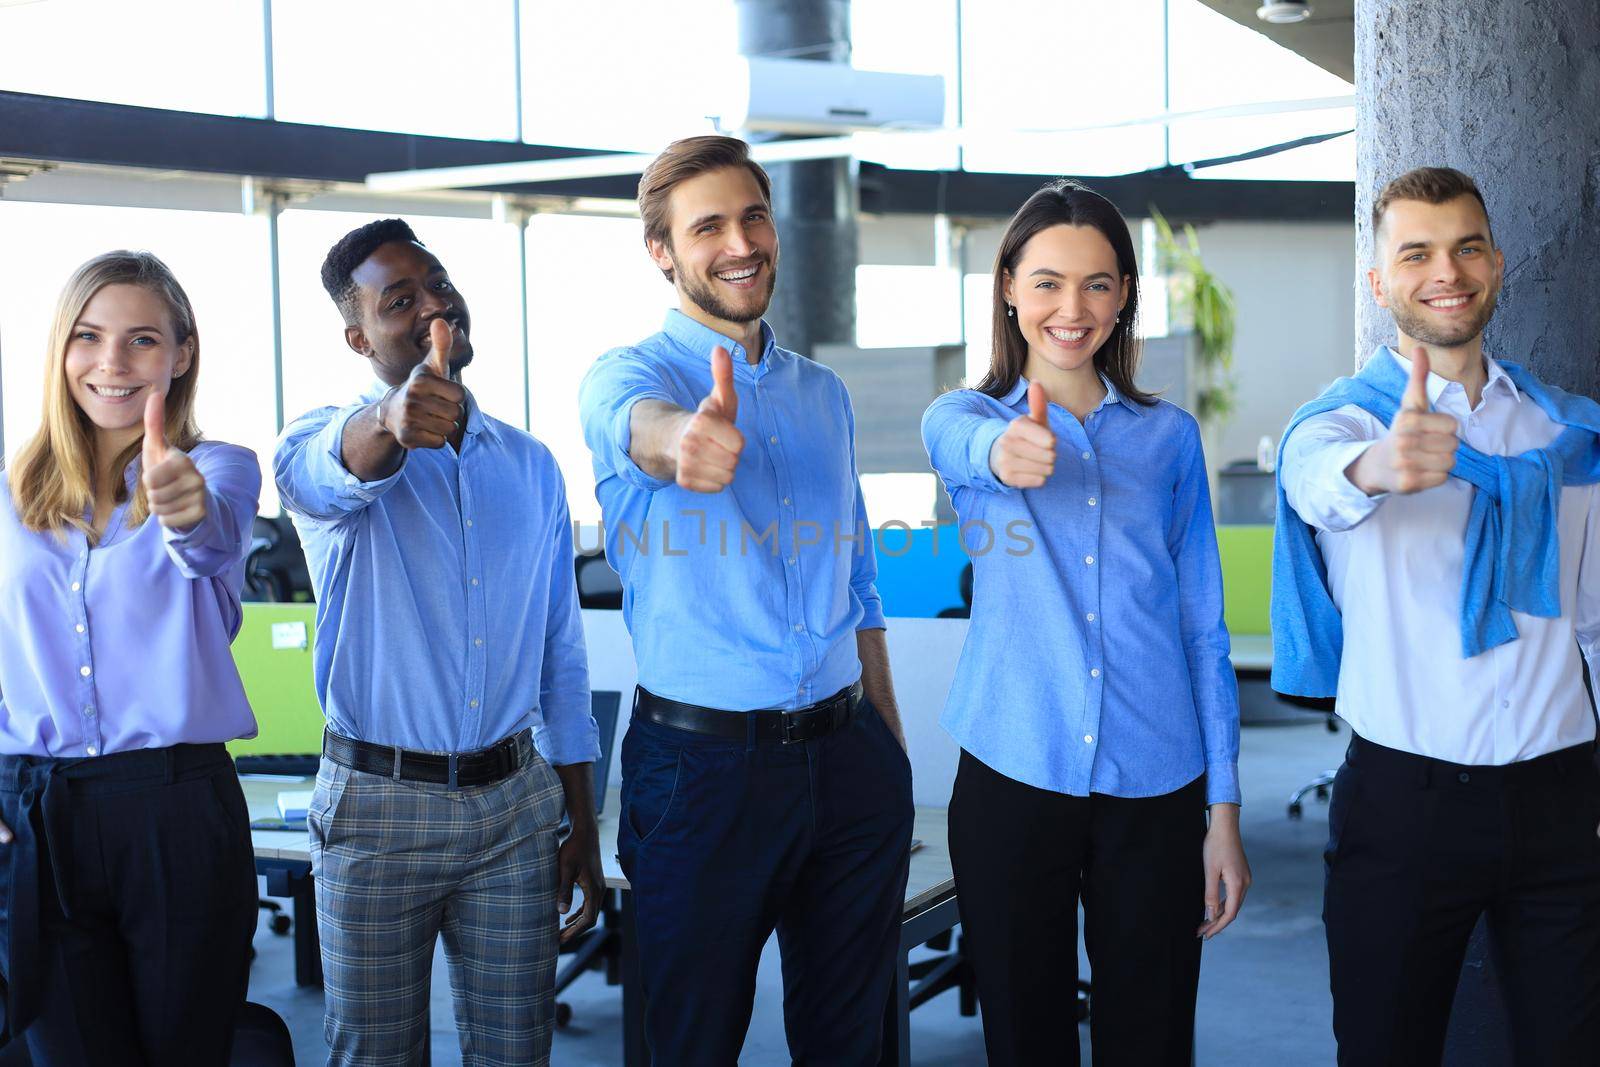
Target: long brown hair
1065 203
52 477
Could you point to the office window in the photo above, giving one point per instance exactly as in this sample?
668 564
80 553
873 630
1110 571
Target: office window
187 55
899 306
415 66
221 261
591 288
320 369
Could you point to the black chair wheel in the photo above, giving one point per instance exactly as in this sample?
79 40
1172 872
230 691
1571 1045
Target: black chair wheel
1322 792
563 1013
280 924
1295 810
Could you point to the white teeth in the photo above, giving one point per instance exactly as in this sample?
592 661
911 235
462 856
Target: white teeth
111 392
1448 302
738 275
1066 335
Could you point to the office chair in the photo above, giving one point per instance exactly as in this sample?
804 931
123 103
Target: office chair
601 947
964 609
1322 784
598 584
275 568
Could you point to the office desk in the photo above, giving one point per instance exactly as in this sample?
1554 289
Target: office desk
1251 653
930 909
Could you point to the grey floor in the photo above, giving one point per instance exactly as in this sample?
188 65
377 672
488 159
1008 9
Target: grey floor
1263 988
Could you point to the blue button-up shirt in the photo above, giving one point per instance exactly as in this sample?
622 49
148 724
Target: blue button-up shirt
447 612
1097 659
751 597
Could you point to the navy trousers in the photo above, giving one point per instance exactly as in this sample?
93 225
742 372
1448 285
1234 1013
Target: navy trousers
724 841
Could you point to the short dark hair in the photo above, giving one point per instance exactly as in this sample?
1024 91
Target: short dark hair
1065 202
1430 185
352 250
681 160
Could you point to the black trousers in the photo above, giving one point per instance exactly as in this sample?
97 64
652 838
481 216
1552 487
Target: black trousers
1023 857
1418 850
726 840
132 901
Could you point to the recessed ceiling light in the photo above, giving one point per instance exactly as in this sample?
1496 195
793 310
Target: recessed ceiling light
1284 11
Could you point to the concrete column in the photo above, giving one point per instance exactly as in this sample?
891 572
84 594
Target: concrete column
814 202
1508 93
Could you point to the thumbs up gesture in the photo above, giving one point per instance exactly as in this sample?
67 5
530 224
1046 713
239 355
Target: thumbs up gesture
707 449
1024 456
428 409
1419 450
175 490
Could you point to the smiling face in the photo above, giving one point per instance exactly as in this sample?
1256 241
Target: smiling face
1067 293
723 249
402 288
122 348
1437 271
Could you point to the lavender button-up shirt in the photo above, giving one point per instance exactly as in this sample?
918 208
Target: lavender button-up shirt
124 645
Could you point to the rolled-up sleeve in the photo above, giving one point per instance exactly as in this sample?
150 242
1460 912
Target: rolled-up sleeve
617 381
308 465
959 431
1315 458
864 560
1192 541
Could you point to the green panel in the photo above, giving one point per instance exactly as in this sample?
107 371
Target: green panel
278 682
1246 553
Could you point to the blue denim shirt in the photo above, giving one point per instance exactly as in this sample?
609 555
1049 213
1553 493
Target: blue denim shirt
447 609
1097 659
751 597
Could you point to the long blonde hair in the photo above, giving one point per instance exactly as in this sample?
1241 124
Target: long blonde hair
52 477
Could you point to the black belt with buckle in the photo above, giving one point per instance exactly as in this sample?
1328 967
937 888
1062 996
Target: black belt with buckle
799 724
455 769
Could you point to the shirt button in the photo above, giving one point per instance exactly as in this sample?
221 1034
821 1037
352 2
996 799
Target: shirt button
1086 455
1094 672
84 671
89 710
785 501
793 561
1090 616
79 627
1464 777
474 581
799 627
478 641
1091 502
1505 703
93 750
1088 739
472 703
1089 560
469 522
773 439
76 586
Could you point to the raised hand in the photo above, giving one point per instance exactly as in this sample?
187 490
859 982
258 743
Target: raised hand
1419 450
1024 456
174 489
707 448
429 408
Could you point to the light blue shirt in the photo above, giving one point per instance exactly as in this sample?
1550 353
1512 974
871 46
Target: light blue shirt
447 611
751 597
1097 659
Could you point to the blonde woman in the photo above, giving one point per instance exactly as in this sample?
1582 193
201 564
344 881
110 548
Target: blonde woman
127 888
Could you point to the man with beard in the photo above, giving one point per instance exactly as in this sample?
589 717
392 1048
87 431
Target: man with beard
450 664
1431 571
765 782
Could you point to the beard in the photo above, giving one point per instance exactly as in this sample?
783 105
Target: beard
1417 326
702 292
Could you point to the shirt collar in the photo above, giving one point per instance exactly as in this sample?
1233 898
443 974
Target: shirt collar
1016 397
1497 378
701 339
477 422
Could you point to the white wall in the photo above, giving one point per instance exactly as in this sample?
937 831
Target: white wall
922 657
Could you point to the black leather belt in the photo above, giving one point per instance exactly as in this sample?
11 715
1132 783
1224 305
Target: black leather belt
455 769
800 724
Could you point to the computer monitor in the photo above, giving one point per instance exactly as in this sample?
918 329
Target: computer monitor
604 705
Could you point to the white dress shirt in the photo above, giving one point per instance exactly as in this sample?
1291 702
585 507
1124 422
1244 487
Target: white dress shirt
1395 571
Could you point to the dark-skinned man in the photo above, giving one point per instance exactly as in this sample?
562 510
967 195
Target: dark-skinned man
450 664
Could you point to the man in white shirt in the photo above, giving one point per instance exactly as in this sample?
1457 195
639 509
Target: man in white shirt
1470 787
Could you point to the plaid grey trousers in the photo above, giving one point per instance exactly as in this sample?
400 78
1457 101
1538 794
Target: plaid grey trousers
397 864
